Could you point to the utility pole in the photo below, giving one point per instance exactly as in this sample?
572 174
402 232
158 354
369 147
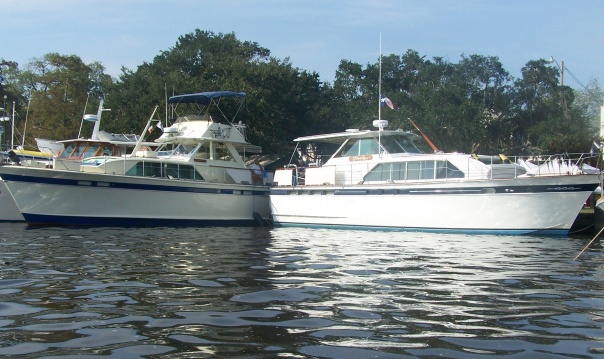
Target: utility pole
560 68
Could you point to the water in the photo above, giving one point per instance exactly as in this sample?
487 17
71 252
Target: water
295 293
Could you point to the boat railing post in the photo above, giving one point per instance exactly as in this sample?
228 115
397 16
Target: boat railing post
491 176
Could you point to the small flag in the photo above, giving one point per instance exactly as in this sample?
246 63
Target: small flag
385 101
159 125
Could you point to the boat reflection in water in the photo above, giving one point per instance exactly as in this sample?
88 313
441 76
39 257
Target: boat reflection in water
257 292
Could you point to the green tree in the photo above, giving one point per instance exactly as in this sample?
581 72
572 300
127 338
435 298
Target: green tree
545 119
589 102
280 98
53 93
457 105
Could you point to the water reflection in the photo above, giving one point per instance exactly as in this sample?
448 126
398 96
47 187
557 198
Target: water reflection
257 292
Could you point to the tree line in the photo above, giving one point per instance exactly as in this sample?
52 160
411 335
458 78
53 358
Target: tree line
473 105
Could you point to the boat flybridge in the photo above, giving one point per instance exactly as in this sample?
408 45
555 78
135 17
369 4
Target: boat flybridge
194 147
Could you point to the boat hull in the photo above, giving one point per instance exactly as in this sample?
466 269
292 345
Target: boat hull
53 197
537 205
8 208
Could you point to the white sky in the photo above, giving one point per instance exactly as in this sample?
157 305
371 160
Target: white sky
314 34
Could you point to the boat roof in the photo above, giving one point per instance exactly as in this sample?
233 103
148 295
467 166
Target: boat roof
340 137
204 98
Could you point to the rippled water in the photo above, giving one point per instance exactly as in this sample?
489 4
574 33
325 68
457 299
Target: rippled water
295 293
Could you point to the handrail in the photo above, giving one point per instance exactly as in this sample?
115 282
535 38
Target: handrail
485 168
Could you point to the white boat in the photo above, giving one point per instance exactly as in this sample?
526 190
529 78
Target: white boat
65 155
379 179
196 177
8 209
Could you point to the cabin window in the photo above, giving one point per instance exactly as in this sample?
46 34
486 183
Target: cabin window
413 171
360 147
223 153
183 149
203 152
77 152
178 171
420 170
170 170
387 172
444 169
145 169
90 150
106 151
399 144
67 151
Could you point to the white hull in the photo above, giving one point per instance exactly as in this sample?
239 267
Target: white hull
75 198
8 208
599 214
547 205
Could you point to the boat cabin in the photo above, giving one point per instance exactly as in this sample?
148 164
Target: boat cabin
378 157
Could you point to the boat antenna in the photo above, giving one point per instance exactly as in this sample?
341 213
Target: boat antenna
434 148
142 136
166 99
380 83
380 125
84 114
25 125
12 138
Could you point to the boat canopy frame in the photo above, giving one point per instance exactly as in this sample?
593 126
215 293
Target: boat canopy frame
207 100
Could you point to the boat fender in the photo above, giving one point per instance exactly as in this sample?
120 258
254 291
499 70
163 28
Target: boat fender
13 157
258 219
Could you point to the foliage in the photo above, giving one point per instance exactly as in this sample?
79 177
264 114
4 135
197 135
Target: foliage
472 105
54 90
280 98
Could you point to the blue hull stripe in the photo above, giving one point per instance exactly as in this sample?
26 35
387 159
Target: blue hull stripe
45 220
435 191
135 186
536 232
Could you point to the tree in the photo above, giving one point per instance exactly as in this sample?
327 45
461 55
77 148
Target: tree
53 93
589 101
545 118
280 98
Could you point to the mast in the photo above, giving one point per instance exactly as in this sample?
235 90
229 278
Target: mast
380 83
83 115
380 126
12 138
25 125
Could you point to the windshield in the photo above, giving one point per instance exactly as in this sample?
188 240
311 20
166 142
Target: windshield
399 144
370 146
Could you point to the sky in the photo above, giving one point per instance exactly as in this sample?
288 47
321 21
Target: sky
314 34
